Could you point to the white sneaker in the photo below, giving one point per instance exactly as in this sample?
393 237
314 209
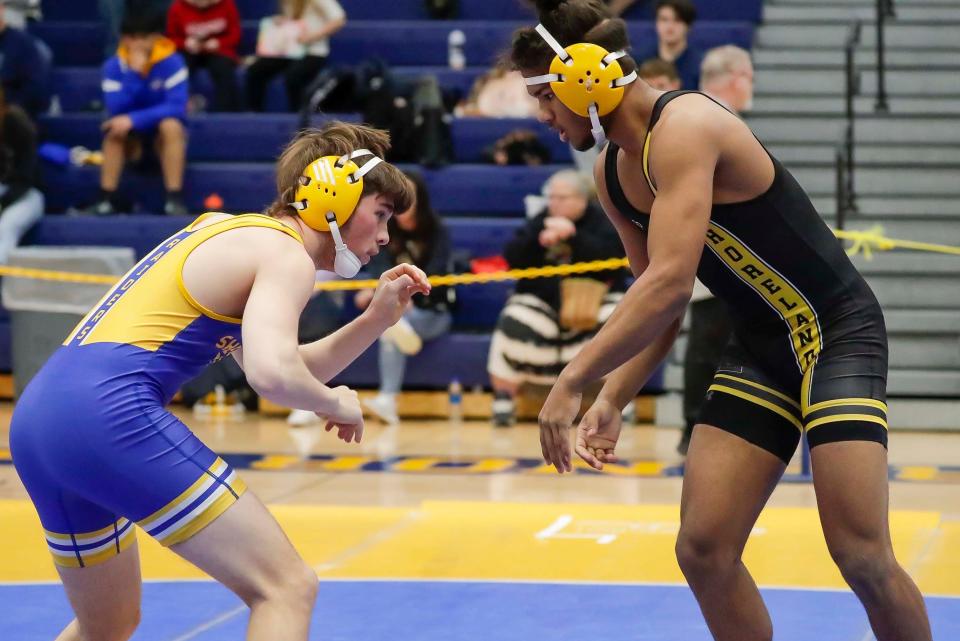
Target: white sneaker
404 337
299 418
384 408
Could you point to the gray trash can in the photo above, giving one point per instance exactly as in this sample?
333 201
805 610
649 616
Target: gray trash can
44 312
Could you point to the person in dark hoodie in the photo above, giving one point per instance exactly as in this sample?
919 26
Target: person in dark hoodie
145 90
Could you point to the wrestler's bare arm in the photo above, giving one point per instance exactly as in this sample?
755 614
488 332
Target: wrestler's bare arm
684 170
328 356
626 381
271 360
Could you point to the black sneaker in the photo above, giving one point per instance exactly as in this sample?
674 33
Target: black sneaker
103 207
504 411
175 207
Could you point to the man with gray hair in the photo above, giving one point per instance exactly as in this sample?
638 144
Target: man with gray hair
726 75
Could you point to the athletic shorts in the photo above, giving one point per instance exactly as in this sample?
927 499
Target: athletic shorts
840 397
96 463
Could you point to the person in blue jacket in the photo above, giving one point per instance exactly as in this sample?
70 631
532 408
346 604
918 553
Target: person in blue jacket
145 91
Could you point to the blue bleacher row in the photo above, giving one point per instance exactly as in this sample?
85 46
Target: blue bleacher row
750 10
400 43
259 138
474 317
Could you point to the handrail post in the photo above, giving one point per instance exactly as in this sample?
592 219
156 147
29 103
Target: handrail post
839 161
852 89
884 9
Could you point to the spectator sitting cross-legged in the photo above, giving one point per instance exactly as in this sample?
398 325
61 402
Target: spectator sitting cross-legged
145 91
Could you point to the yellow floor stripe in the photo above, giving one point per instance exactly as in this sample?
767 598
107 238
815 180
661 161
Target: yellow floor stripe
488 465
417 464
479 540
342 464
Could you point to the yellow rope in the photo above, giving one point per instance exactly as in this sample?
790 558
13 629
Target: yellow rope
861 242
869 240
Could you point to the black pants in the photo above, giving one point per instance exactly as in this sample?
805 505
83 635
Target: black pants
297 76
709 334
223 74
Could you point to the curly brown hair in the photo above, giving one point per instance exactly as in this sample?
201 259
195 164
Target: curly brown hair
336 139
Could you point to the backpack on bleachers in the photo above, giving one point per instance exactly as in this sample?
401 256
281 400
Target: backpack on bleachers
442 9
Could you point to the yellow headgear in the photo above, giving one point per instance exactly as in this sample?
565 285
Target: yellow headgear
330 188
586 78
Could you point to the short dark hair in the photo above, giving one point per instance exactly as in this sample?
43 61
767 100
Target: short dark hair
655 67
685 10
570 22
141 23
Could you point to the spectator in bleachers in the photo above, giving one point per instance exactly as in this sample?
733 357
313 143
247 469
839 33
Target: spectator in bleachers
417 236
499 93
207 33
660 74
673 21
145 92
295 43
21 203
547 321
727 76
112 12
24 68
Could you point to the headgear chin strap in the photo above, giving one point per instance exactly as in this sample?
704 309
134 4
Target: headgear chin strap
329 192
586 78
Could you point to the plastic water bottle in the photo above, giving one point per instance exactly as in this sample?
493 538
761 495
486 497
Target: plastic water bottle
455 401
456 57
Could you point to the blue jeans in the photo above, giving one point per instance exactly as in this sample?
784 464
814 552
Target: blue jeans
428 324
17 219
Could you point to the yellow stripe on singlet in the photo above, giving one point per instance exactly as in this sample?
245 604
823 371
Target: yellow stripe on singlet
838 418
778 292
646 164
768 390
776 409
864 402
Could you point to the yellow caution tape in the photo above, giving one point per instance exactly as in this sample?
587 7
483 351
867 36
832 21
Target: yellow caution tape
862 242
869 240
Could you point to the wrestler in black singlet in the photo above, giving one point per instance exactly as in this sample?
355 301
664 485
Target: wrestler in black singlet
809 349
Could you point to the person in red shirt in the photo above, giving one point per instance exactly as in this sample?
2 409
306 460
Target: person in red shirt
207 33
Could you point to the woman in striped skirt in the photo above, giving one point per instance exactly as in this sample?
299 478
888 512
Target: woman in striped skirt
536 335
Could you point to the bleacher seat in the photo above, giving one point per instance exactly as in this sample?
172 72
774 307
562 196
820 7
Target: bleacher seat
80 43
259 138
457 190
415 10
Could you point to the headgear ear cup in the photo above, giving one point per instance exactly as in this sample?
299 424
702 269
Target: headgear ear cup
329 191
346 264
586 78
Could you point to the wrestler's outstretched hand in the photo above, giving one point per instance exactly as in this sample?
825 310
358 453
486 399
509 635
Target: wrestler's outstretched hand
597 434
394 291
347 417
